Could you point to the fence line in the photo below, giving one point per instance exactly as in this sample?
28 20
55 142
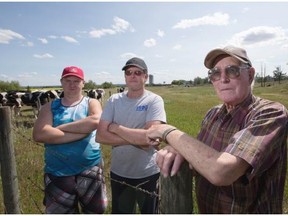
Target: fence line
8 164
175 195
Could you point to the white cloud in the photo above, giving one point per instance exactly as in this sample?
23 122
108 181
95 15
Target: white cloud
28 44
177 47
150 42
119 26
7 35
101 32
245 10
122 25
260 35
128 55
103 73
4 76
69 39
158 56
43 40
160 33
216 19
285 46
103 76
53 37
46 55
27 75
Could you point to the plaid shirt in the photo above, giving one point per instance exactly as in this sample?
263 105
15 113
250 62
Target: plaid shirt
255 131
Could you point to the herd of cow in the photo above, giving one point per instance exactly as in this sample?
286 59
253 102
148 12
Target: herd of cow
17 99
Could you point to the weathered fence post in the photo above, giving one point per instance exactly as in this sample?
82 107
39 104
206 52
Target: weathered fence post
8 164
176 192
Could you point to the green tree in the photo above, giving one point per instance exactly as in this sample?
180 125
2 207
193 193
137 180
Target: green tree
198 81
206 80
107 85
90 85
7 86
178 82
28 89
278 74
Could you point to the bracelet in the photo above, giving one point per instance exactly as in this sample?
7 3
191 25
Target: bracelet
166 132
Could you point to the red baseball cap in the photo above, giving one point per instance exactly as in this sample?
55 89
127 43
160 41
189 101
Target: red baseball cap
73 71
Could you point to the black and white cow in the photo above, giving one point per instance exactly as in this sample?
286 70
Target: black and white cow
96 93
60 93
12 99
121 89
3 99
16 99
37 99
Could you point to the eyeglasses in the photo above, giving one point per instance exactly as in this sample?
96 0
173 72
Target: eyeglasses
137 72
232 71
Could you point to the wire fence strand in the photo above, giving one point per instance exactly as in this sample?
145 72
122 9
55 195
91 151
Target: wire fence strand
37 187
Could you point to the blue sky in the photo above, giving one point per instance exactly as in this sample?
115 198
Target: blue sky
38 39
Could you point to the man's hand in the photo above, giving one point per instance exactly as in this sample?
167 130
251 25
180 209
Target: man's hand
169 161
155 132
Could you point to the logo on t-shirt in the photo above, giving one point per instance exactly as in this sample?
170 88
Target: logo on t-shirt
142 108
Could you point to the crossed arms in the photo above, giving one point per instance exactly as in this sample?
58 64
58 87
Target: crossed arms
114 134
44 131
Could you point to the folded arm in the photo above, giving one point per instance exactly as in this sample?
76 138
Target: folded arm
114 134
44 132
85 125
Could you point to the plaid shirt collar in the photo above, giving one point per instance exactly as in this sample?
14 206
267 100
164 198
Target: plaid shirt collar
239 112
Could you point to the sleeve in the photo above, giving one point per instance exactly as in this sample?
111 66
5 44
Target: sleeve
156 110
262 140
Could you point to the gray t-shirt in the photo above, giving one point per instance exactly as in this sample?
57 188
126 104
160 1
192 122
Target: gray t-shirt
127 160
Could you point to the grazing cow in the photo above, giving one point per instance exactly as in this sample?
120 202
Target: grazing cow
12 99
96 93
121 89
91 93
101 93
60 93
38 98
3 99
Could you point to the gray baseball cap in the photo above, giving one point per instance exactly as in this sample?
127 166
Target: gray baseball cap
233 51
137 62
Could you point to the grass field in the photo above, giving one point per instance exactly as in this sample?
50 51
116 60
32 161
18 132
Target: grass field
185 109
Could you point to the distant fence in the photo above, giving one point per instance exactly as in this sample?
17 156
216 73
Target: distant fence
175 196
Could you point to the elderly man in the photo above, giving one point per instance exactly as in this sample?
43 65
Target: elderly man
240 154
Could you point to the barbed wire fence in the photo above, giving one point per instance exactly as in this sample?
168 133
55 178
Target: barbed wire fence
30 176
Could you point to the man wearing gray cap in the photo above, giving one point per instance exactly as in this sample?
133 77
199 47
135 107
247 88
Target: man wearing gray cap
123 125
240 154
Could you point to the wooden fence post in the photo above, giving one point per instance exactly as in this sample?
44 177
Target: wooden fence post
8 164
176 192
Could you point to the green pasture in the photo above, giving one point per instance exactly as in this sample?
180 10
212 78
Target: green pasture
185 108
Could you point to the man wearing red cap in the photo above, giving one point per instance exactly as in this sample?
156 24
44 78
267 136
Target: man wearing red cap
73 168
240 154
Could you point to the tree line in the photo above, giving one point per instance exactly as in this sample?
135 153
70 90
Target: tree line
6 86
278 76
